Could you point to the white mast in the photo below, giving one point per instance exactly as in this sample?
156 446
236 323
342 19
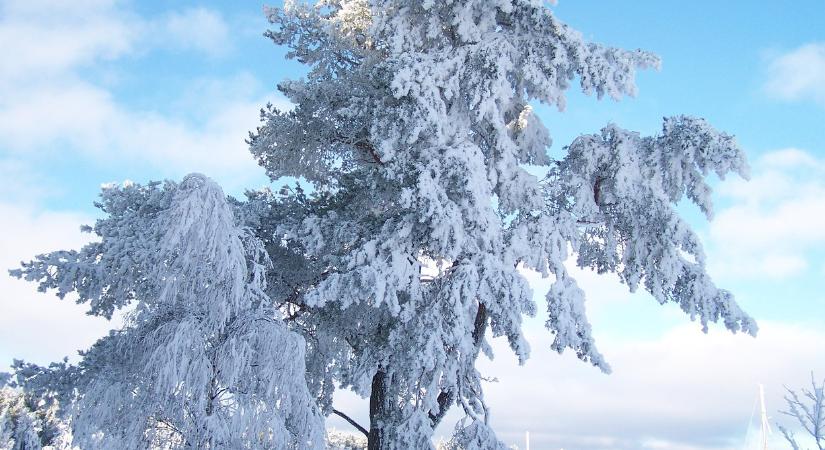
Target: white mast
766 426
527 440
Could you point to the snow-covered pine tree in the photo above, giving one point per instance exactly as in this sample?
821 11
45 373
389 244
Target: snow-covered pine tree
415 128
204 360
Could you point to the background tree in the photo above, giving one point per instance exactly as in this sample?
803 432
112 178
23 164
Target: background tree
26 423
204 360
807 407
338 440
432 189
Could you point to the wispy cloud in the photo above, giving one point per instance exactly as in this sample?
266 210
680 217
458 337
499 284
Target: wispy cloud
686 390
798 74
774 224
44 39
199 29
51 38
34 325
90 121
50 98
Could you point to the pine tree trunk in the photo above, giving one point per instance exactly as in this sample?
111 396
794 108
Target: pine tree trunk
378 409
381 407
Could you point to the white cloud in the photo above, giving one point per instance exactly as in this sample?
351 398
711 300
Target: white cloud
93 123
775 222
42 39
198 29
798 74
791 158
34 325
48 103
687 390
19 184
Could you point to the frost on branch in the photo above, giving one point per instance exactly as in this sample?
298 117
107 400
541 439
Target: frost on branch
807 407
624 190
568 321
204 360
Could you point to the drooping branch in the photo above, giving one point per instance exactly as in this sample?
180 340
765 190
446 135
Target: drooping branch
445 399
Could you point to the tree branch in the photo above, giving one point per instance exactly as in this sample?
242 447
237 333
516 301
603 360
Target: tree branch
480 325
445 399
360 144
351 422
365 146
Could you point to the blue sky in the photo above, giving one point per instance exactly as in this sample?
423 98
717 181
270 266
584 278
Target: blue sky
96 91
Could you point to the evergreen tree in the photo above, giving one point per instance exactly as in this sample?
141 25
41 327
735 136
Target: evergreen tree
415 128
204 360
